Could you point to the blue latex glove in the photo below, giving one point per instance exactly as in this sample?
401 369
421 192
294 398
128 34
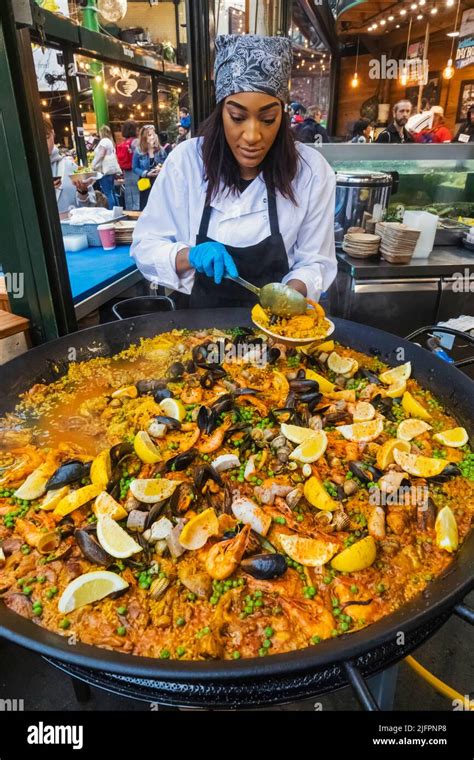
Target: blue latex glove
213 260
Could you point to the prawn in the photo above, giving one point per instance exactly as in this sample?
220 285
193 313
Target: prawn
212 442
224 557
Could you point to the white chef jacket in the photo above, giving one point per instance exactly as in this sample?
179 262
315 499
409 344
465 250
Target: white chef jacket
171 219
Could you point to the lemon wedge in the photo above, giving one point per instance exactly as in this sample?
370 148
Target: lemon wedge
327 346
151 490
454 437
197 531
173 407
105 504
419 466
385 452
114 539
145 449
363 412
356 557
318 497
311 552
446 529
52 497
259 316
396 389
127 391
325 386
296 434
342 365
413 407
362 431
35 484
75 499
410 428
312 448
101 469
88 588
396 374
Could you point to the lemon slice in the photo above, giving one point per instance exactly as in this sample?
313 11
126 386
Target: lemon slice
413 407
356 557
105 504
318 497
101 469
312 448
35 484
145 449
114 539
446 529
325 386
52 497
75 499
363 412
410 428
88 588
327 346
342 365
385 453
396 374
259 315
396 389
362 431
197 531
311 552
296 434
127 391
173 407
151 490
454 437
419 466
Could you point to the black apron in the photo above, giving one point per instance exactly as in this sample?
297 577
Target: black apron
259 264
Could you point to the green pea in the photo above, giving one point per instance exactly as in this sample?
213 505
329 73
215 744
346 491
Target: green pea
180 651
266 644
315 639
27 590
268 631
236 655
122 610
180 621
121 630
64 623
165 654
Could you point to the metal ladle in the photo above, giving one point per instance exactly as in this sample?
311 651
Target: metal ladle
278 298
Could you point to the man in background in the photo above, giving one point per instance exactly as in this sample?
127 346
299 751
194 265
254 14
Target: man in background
396 132
310 130
62 167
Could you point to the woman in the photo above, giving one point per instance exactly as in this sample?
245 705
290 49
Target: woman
242 198
68 194
148 159
125 153
439 132
105 161
362 131
465 133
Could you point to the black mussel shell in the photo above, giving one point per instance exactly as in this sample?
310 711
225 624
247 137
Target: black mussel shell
190 367
265 566
155 512
176 370
384 405
170 422
291 351
237 427
119 451
69 472
91 548
199 354
290 401
301 374
161 394
366 473
308 398
313 403
223 404
203 473
207 419
181 461
181 499
273 354
301 385
282 414
207 380
368 375
450 471
334 418
145 387
245 392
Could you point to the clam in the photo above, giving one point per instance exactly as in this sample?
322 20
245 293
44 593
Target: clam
340 520
158 587
294 497
265 566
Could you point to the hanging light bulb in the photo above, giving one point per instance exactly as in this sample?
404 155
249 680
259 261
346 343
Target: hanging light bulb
404 77
355 78
448 71
404 72
403 12
44 102
390 18
434 11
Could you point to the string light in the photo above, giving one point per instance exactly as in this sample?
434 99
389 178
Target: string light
390 18
98 78
434 11
419 17
403 12
68 97
44 103
120 105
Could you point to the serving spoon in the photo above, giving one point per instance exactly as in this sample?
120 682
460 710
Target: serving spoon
278 298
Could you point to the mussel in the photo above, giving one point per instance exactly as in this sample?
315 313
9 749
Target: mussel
207 380
450 471
301 385
161 394
336 418
245 391
368 375
69 472
181 499
199 354
265 566
91 548
176 371
207 419
145 387
273 354
203 473
364 472
155 512
384 405
190 367
223 404
181 461
170 422
119 451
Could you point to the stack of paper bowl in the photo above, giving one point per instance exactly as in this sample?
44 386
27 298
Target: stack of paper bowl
124 231
360 245
398 241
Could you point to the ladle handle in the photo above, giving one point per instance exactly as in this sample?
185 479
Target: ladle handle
245 284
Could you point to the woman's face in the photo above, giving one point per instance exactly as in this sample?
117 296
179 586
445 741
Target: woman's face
251 123
150 137
367 132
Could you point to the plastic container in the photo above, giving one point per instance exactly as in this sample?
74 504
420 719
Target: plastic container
427 224
75 242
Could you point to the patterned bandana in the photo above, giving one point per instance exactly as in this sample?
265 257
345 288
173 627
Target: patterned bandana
251 63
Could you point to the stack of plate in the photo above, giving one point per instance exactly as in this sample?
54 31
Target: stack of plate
360 245
124 232
398 241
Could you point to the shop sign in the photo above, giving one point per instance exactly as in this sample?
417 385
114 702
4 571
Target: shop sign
465 51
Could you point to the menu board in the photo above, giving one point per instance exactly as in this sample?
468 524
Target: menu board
465 51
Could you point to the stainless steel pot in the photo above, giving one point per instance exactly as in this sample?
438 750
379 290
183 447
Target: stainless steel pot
357 192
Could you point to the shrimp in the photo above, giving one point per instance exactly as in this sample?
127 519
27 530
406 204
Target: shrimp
192 395
224 557
212 442
257 403
25 460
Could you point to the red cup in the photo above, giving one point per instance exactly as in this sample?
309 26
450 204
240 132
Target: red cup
107 236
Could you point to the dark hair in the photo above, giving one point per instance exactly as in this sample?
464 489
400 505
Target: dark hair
279 166
129 129
359 127
163 137
184 109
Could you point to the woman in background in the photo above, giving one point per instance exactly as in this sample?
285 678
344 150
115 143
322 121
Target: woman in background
125 153
105 161
362 131
148 158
